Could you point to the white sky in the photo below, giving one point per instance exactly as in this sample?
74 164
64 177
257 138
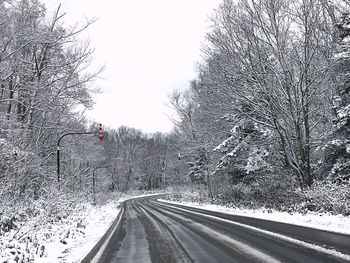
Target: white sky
149 48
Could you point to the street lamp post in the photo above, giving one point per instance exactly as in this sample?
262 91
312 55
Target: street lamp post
100 137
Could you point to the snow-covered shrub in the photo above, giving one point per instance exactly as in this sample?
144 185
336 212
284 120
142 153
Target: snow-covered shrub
188 193
328 197
275 191
26 227
7 224
235 195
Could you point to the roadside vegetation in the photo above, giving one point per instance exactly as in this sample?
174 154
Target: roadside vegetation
266 122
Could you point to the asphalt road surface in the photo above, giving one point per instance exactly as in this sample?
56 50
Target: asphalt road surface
152 231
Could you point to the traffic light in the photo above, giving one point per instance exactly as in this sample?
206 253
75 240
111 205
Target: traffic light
100 133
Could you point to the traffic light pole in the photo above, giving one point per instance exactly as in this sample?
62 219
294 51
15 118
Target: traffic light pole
58 148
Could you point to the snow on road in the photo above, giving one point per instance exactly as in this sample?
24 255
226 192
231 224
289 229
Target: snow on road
324 221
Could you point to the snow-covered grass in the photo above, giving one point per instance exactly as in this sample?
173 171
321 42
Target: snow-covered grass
65 236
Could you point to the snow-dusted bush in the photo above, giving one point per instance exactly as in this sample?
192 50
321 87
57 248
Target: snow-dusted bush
26 229
328 197
235 195
188 193
276 192
273 191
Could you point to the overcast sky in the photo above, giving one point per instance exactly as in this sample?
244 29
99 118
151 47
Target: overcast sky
149 48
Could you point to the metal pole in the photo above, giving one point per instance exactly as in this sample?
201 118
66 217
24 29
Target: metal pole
58 148
93 186
58 163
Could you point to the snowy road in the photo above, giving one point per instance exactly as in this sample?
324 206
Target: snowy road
151 231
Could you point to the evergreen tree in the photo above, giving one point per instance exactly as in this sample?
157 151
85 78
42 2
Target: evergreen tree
337 151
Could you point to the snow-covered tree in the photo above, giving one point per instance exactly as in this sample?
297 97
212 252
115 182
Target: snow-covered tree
42 80
337 151
271 59
246 151
198 169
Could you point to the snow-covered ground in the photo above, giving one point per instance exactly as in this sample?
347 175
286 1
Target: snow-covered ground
338 223
68 239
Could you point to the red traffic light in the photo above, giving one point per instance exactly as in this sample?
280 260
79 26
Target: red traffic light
100 133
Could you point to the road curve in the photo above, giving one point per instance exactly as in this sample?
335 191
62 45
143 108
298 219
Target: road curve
151 231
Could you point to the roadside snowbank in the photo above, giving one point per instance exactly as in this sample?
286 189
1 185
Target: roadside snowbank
66 240
81 234
323 221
